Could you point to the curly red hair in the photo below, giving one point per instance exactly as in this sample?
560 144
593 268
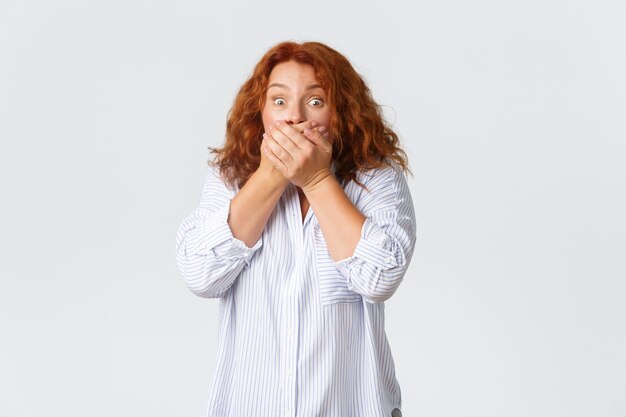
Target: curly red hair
362 138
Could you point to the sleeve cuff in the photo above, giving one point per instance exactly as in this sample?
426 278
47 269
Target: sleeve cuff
223 243
373 247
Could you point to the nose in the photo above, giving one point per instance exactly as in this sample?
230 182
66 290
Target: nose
296 115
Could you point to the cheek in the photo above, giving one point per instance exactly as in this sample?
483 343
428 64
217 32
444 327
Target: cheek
322 118
268 119
327 121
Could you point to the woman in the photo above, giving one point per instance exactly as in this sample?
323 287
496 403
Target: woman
304 228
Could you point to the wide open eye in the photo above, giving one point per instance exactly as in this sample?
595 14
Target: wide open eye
279 101
316 102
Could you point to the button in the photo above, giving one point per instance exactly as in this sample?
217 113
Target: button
289 371
287 413
387 260
291 331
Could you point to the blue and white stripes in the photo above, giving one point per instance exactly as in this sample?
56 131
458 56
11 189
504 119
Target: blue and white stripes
299 334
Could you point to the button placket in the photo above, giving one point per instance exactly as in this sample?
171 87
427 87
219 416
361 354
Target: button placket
291 345
291 316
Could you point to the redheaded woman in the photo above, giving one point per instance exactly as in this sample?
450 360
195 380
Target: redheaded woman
305 227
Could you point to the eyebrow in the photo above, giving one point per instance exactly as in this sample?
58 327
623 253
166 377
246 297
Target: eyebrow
311 87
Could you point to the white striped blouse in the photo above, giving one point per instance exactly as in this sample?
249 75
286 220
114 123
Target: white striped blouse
299 334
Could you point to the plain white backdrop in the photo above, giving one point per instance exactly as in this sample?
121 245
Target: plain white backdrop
513 115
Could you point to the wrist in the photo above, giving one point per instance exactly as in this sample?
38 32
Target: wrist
271 176
321 181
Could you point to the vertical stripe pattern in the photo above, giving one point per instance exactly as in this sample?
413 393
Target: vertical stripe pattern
299 334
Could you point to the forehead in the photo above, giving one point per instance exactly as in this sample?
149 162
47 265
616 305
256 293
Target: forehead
292 72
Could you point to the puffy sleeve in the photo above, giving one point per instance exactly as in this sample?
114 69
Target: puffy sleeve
388 235
208 256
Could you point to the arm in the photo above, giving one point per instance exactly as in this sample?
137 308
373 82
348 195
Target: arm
378 234
341 222
209 253
253 204
387 237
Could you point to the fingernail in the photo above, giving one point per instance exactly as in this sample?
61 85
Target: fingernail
314 123
322 129
307 131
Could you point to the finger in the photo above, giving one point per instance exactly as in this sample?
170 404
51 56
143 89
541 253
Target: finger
277 148
291 133
274 160
284 140
302 125
319 138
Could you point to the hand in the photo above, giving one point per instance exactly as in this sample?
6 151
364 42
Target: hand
267 168
302 156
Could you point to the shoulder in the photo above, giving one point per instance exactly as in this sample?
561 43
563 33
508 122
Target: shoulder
389 172
215 181
375 186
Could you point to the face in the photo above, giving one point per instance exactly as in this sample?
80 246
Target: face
295 95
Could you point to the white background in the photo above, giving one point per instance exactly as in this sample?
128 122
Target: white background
513 117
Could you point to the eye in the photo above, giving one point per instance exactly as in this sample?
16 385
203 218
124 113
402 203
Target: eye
279 101
316 102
